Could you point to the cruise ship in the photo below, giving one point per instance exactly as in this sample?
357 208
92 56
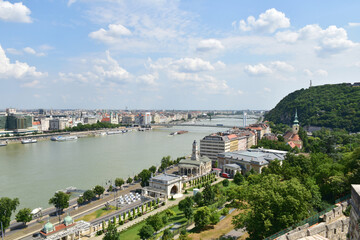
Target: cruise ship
62 138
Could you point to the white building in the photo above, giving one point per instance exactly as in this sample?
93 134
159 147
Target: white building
147 118
163 186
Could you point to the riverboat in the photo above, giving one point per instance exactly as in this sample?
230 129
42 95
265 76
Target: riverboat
3 144
62 138
27 141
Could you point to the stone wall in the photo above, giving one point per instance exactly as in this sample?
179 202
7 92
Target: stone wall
335 226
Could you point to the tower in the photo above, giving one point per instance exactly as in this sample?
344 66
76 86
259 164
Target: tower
195 152
244 119
295 127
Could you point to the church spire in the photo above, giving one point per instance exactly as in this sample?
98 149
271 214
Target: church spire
296 121
195 152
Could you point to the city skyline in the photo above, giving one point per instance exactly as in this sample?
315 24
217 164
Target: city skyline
172 54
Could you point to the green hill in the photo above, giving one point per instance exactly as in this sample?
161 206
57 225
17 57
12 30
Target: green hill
332 106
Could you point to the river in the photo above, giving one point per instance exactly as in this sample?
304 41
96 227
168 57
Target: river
33 172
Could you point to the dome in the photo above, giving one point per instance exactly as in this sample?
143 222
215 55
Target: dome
48 227
68 220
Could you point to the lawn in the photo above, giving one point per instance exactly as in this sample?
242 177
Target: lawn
131 233
98 213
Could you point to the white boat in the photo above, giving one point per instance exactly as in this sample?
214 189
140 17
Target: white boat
30 140
114 132
62 138
3 144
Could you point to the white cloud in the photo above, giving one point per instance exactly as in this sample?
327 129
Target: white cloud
259 69
148 79
209 45
32 84
111 35
282 66
268 22
267 89
17 70
329 41
101 71
316 73
14 51
27 50
14 12
354 24
193 65
71 2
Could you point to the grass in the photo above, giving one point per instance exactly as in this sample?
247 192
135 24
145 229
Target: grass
98 213
131 233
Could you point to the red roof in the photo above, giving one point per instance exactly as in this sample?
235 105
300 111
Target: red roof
291 144
57 228
105 120
36 123
231 136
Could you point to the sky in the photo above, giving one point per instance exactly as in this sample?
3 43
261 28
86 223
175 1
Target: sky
160 54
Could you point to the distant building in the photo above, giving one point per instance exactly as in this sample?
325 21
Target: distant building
292 137
127 120
67 230
15 122
163 186
10 110
147 118
195 165
90 120
58 124
255 159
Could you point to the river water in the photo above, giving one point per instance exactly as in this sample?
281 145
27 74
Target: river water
33 172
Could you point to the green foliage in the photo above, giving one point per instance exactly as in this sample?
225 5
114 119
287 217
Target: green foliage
129 180
60 200
152 169
208 195
146 232
202 217
99 190
273 205
183 234
111 233
119 182
155 221
332 106
24 215
88 195
167 235
277 145
198 198
89 127
238 178
145 175
225 183
80 200
110 189
214 218
186 206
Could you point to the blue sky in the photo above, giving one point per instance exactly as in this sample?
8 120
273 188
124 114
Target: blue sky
161 54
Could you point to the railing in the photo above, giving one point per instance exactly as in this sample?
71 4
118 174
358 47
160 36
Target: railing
311 220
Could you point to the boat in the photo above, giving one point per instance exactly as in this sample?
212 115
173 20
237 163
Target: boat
62 138
178 132
30 140
114 132
3 144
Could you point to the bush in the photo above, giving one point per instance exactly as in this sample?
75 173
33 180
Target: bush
131 218
224 211
186 191
98 233
225 183
121 223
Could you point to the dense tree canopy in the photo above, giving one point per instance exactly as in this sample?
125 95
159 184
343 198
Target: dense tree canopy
332 106
24 215
7 207
60 200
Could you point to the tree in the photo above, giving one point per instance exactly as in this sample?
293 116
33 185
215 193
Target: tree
186 206
88 195
214 218
112 233
110 189
208 195
7 206
24 215
129 180
225 183
145 175
202 217
146 232
119 182
198 198
274 204
152 169
60 201
98 190
80 200
155 221
183 234
136 178
238 178
167 235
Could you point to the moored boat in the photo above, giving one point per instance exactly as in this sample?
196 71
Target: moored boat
3 144
63 138
30 140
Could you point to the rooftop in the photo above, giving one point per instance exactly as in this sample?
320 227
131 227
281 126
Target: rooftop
166 177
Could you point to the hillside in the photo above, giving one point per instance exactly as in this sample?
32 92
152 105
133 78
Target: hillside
333 106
